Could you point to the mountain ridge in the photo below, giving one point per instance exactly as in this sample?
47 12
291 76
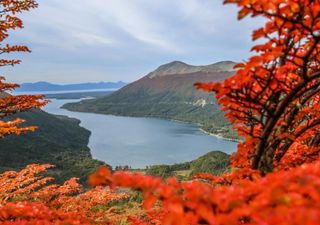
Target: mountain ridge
47 86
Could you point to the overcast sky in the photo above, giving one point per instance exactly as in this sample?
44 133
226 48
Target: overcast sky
110 40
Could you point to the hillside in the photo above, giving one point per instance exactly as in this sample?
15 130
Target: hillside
59 141
45 86
214 162
168 92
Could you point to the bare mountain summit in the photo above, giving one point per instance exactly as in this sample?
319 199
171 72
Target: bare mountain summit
178 67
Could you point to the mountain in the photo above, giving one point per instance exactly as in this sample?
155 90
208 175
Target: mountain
168 92
45 86
177 67
59 141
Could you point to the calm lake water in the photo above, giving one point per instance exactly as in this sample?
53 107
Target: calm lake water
140 142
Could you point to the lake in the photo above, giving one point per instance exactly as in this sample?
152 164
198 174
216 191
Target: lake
140 142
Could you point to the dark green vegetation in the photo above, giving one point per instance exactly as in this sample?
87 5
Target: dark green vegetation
78 95
214 162
168 93
59 141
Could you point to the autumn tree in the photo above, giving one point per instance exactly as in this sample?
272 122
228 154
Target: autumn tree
9 9
273 99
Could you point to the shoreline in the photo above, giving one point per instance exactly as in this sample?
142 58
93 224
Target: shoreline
161 118
221 137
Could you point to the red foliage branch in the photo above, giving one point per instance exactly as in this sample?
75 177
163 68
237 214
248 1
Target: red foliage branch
26 213
13 104
27 197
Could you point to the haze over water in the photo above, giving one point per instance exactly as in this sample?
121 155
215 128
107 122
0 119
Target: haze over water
139 142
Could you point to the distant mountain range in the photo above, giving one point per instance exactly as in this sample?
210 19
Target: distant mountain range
45 86
168 92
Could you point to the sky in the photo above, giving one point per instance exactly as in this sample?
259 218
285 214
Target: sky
75 41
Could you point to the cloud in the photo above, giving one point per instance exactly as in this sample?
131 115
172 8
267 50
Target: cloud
124 39
92 39
135 20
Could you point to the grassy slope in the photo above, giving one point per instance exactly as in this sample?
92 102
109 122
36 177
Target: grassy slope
59 141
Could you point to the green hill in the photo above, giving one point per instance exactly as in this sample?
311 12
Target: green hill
214 162
168 93
59 141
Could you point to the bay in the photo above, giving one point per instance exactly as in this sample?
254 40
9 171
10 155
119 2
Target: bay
140 142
